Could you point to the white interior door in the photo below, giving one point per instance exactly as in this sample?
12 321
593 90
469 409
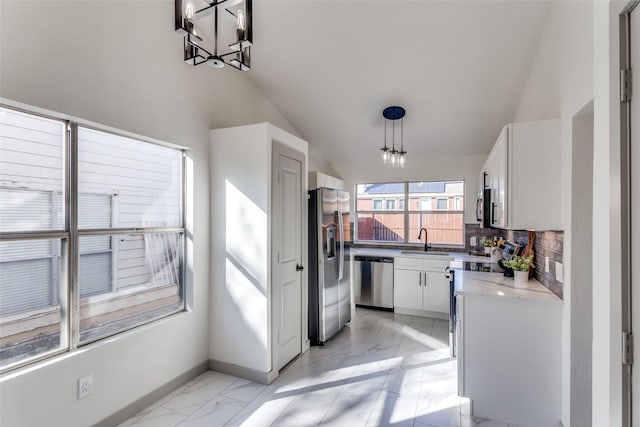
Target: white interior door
287 237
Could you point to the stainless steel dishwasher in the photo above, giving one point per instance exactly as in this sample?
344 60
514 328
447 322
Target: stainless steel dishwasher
373 281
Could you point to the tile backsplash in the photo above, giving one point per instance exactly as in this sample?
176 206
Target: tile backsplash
548 244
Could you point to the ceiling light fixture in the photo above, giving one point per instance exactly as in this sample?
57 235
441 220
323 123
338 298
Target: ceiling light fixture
392 157
188 12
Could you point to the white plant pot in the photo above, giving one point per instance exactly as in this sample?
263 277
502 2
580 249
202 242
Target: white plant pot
487 250
520 278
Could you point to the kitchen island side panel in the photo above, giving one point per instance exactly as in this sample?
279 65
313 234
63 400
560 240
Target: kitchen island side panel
511 360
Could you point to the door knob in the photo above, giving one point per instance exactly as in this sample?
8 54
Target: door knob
299 267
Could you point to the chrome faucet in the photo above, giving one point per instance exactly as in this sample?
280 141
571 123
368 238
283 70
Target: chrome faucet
426 240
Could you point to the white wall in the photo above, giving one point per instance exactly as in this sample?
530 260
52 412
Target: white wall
241 332
417 169
560 84
317 163
94 60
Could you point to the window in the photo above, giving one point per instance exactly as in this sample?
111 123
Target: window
427 205
391 204
130 248
377 204
457 204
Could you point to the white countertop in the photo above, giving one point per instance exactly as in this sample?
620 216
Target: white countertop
458 256
495 285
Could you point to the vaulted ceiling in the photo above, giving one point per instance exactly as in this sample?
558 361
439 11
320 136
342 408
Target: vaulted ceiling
458 67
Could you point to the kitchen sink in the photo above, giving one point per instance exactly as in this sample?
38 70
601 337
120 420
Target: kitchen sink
426 253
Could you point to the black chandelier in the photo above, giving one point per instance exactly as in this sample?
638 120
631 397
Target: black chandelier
238 43
390 156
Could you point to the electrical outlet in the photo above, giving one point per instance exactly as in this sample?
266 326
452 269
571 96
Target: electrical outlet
85 386
559 272
473 241
546 264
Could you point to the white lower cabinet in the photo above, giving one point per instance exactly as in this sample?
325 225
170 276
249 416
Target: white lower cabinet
419 285
509 359
407 289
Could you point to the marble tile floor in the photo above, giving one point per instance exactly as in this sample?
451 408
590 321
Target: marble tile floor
382 369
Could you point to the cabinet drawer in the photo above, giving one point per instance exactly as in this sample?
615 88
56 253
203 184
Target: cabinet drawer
434 265
412 263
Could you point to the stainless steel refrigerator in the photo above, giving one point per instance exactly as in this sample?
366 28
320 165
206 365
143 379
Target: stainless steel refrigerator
329 263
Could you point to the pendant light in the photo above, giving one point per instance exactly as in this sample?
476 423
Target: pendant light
392 157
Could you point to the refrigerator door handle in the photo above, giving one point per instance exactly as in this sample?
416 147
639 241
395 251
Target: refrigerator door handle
341 260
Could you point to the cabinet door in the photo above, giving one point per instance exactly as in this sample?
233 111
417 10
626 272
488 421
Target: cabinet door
502 146
492 183
407 289
436 292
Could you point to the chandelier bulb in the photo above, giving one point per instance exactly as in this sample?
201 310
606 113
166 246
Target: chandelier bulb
241 25
188 11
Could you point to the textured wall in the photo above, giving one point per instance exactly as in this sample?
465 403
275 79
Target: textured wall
548 243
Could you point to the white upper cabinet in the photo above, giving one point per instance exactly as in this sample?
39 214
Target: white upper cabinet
525 177
321 180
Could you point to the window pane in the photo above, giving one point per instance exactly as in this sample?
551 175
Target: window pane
422 194
32 299
31 172
442 228
138 280
369 196
134 183
391 204
458 204
383 227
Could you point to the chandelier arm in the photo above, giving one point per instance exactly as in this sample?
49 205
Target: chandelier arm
210 7
199 47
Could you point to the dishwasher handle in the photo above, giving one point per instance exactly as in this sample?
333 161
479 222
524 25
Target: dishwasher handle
369 258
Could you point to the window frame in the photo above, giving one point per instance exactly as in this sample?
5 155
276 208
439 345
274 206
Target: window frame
407 212
70 233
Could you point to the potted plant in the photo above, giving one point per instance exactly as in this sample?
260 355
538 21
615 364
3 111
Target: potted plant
521 267
487 243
